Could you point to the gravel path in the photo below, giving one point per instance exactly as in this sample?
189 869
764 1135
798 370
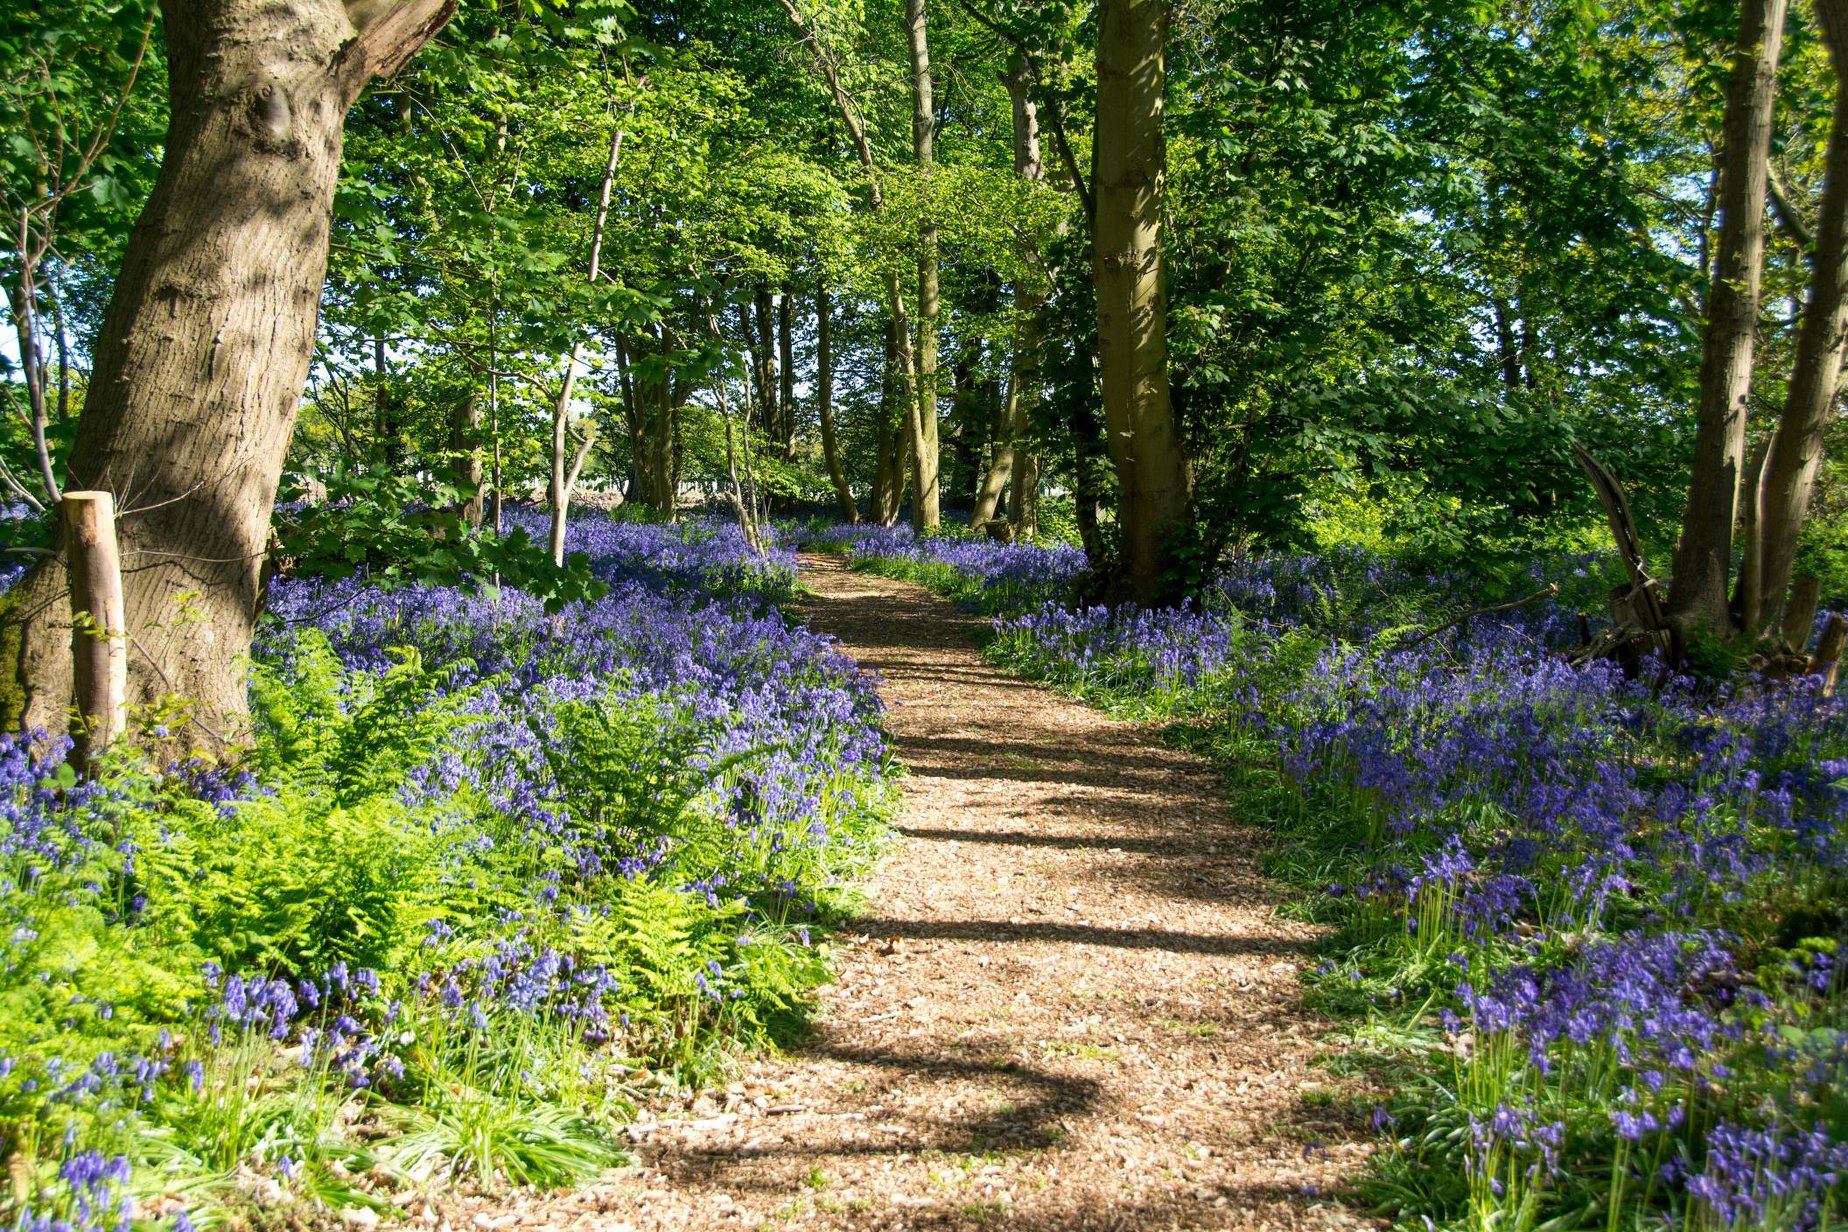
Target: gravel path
1070 1007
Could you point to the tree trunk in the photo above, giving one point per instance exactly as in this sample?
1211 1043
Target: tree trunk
899 341
1796 447
465 446
205 346
786 357
993 409
564 468
1023 382
926 491
1698 595
824 404
1132 333
889 475
765 314
386 424
1000 469
633 420
1506 348
657 393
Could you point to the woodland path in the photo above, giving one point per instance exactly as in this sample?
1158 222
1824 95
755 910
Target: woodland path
1071 1005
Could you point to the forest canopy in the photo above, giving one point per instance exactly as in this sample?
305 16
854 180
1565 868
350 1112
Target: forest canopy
1412 253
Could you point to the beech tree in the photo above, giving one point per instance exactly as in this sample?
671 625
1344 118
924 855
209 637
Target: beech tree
1699 597
1794 452
1132 323
200 361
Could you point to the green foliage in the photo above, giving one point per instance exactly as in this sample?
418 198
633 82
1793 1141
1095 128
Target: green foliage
477 1056
400 530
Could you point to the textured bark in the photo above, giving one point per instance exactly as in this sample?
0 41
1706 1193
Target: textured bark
1132 333
1023 382
926 485
1089 459
824 404
1796 446
1698 597
202 354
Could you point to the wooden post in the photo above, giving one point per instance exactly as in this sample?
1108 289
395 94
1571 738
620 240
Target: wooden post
99 635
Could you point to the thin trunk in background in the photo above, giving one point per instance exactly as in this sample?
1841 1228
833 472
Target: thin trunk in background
745 501
1507 348
926 483
1000 469
566 465
465 450
632 420
1698 597
824 404
1023 382
904 363
1132 333
764 351
889 477
786 366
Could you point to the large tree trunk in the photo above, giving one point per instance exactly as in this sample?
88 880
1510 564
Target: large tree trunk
1023 382
204 349
926 493
1132 330
824 404
1698 597
1796 447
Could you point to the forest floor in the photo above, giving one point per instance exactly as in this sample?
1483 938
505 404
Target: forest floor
1070 1006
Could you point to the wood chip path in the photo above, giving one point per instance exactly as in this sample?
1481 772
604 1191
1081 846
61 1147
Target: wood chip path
1070 1007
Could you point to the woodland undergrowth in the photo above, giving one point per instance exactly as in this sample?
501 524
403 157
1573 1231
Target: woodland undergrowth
489 877
1584 930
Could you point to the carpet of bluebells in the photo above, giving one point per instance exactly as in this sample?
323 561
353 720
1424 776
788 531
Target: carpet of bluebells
1586 928
488 875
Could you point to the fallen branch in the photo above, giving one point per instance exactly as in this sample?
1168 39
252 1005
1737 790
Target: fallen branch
1551 588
